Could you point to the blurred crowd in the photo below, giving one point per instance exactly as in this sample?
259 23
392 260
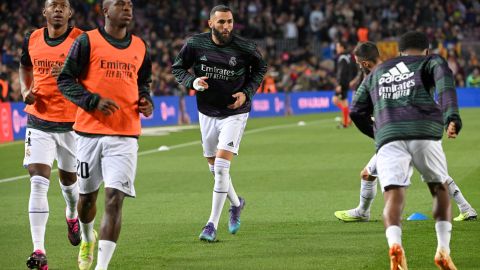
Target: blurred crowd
296 37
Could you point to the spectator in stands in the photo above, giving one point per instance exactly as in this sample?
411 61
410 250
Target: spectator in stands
165 24
3 90
473 80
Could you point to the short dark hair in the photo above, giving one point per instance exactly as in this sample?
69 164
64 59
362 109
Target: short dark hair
106 3
46 1
221 8
343 43
413 40
367 51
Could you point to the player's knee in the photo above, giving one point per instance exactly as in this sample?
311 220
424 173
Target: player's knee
222 172
67 178
38 194
87 201
222 176
221 167
438 188
211 160
39 186
113 204
364 174
42 170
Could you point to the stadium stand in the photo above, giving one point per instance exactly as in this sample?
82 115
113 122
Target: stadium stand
296 36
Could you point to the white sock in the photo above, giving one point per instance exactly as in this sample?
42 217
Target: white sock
212 169
457 195
105 253
220 189
394 235
70 194
38 210
368 191
444 232
232 195
87 231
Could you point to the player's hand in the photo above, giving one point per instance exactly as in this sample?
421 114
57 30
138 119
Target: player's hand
200 84
240 98
145 107
28 97
452 130
55 71
107 106
338 89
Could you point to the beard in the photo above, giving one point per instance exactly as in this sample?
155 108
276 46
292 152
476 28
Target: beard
221 37
365 70
57 25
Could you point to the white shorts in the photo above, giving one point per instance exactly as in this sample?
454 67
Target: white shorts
221 133
45 147
111 159
372 166
395 162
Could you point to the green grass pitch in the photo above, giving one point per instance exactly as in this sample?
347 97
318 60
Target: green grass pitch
293 178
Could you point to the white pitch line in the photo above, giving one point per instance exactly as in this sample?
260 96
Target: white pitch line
11 143
253 131
18 177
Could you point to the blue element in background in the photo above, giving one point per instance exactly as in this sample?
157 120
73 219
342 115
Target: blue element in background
191 108
468 97
266 105
165 112
313 102
263 105
19 120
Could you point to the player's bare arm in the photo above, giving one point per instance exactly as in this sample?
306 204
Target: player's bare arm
338 89
26 84
240 99
107 106
145 107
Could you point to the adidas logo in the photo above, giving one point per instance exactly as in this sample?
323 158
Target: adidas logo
203 58
398 73
398 82
230 144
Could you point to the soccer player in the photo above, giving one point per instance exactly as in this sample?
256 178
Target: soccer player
107 74
346 70
367 57
368 191
409 125
49 134
227 70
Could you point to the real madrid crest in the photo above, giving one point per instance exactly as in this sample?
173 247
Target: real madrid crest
233 61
